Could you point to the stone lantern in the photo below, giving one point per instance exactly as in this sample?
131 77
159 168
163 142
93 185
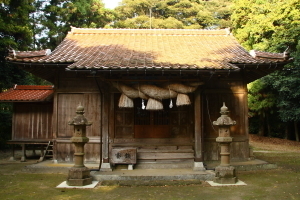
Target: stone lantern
225 174
79 175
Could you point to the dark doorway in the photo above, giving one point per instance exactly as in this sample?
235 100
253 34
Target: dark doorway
151 124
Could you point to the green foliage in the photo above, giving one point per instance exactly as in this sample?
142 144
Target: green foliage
57 16
14 24
271 25
15 32
144 22
260 98
176 14
268 25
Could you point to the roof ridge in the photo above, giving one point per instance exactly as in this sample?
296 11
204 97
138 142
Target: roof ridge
33 87
75 30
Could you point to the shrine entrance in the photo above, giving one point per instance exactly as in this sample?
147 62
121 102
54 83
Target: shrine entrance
151 124
160 136
138 123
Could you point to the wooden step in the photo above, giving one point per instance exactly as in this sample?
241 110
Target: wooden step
159 155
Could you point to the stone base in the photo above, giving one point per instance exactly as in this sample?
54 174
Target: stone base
80 182
130 167
198 166
225 175
12 159
225 180
105 167
79 177
23 159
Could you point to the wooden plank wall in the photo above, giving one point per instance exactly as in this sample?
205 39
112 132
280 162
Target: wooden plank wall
71 91
235 98
32 121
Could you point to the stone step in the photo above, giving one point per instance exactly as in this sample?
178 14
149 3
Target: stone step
187 164
153 174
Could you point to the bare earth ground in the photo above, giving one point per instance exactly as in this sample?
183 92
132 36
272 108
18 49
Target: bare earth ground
280 183
273 144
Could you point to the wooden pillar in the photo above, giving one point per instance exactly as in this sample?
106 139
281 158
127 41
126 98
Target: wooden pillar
198 160
105 166
23 158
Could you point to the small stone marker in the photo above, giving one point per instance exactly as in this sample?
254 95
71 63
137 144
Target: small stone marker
79 175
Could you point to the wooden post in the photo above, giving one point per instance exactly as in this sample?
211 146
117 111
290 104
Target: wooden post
23 158
105 165
198 161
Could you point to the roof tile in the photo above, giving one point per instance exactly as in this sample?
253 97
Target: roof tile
149 48
27 93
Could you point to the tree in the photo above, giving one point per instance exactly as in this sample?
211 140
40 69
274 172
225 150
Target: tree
190 13
261 102
271 25
15 32
59 15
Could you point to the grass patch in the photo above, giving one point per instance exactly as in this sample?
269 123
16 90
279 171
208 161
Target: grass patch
280 183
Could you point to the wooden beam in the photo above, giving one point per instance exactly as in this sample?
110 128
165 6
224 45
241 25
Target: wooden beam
198 125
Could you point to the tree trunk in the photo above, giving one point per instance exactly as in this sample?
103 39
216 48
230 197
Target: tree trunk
286 131
296 131
268 125
261 130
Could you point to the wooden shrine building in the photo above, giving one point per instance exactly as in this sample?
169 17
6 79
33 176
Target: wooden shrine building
156 91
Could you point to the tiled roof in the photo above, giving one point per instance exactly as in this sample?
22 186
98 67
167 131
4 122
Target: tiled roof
149 49
27 93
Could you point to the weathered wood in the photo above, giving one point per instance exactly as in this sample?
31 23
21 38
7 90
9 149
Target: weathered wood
66 105
32 121
160 155
198 127
105 125
165 151
153 141
123 121
151 131
123 155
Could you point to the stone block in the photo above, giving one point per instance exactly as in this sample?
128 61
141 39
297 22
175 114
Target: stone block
224 139
198 166
105 167
79 177
225 180
78 173
130 167
80 182
225 175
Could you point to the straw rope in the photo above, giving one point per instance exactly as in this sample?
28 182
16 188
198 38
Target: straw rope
155 94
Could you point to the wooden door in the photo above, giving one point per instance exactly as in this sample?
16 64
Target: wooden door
176 122
151 124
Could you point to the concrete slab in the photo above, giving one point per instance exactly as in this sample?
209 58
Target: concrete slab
153 174
220 185
64 185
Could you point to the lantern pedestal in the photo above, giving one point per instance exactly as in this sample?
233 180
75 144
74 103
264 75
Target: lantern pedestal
79 177
225 175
